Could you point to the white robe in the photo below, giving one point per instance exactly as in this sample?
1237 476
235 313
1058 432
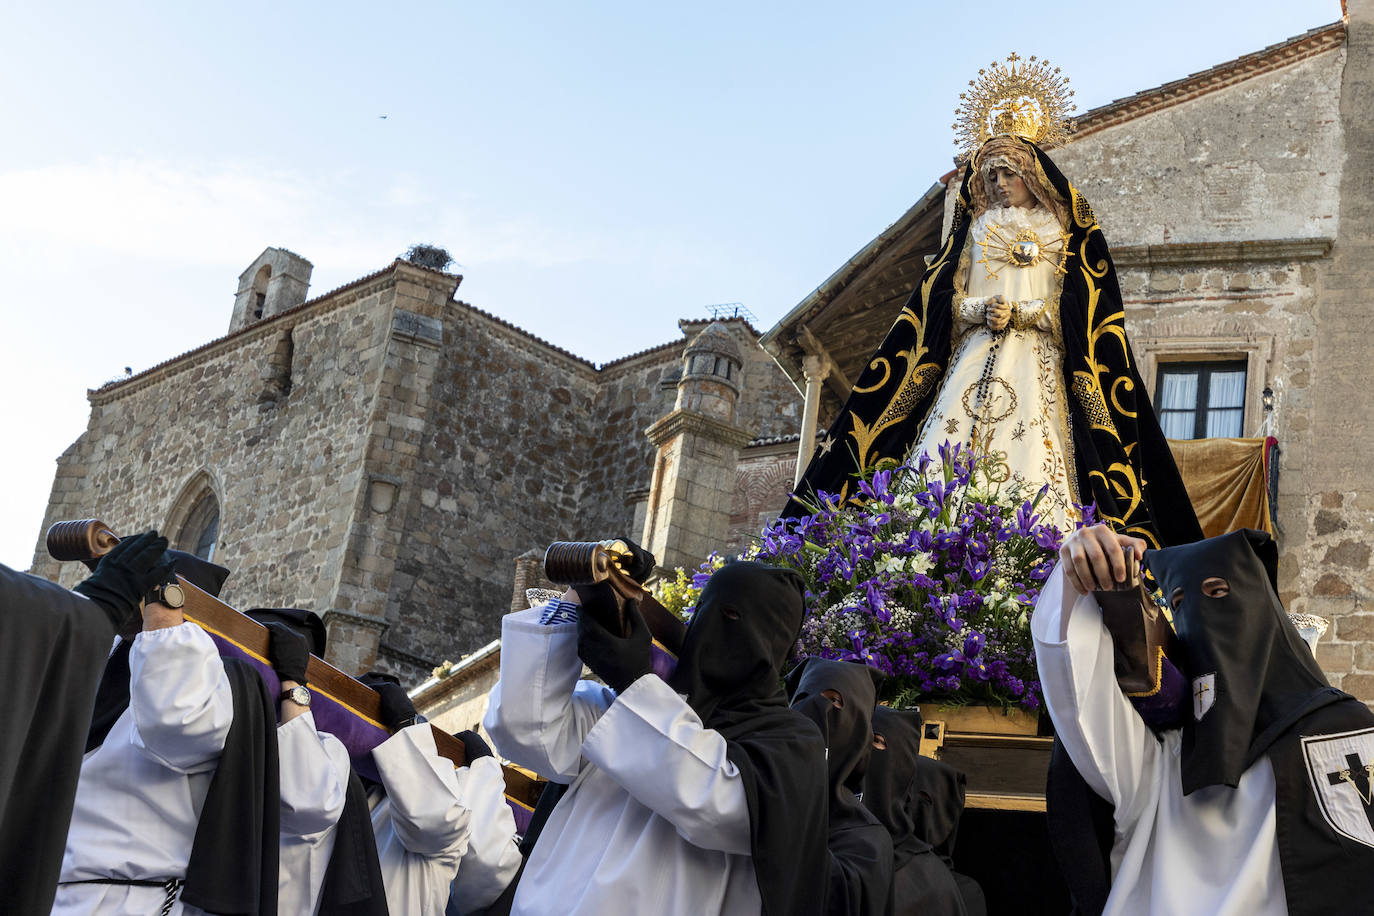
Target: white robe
314 784
140 794
656 819
1212 852
424 824
1023 413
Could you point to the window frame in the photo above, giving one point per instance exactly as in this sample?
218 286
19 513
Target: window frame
1205 369
1156 352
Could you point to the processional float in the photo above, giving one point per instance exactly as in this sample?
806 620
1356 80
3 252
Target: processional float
350 710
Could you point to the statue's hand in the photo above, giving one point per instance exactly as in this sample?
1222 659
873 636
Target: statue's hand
997 313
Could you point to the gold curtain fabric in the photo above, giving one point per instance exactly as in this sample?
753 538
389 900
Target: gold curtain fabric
1228 482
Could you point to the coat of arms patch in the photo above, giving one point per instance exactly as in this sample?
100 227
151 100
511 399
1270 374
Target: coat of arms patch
1341 769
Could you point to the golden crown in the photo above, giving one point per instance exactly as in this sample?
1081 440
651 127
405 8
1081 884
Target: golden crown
1025 97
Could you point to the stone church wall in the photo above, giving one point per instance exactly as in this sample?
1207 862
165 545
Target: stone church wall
284 470
1258 160
501 469
1206 205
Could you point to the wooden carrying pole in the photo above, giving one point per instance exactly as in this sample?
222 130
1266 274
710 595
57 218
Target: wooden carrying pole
88 539
588 562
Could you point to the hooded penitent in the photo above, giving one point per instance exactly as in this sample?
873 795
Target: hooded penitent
353 879
112 697
1258 692
906 793
861 859
241 807
1252 675
1122 460
746 621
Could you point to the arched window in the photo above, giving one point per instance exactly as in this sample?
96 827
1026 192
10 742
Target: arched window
193 523
201 532
260 289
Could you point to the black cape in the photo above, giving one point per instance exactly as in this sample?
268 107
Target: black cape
746 622
1123 461
52 646
922 882
353 880
861 858
242 809
1325 823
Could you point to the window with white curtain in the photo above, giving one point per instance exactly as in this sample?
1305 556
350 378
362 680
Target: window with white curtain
1201 400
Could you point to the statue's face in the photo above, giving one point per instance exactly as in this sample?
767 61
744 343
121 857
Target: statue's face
1010 189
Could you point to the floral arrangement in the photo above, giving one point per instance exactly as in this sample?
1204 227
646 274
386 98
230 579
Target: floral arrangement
930 574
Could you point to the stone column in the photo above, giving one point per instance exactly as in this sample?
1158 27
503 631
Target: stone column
402 376
353 641
815 369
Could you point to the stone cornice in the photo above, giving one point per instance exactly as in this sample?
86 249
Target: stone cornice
689 421
1182 254
456 681
401 655
374 624
1266 60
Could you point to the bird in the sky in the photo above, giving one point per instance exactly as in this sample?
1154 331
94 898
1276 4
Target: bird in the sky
383 117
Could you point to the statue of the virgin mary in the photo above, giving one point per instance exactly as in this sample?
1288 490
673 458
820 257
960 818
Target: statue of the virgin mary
1014 341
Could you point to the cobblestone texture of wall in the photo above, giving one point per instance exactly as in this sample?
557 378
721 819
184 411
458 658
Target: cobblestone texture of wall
285 471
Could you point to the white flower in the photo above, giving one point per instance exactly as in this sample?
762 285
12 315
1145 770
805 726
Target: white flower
893 565
921 563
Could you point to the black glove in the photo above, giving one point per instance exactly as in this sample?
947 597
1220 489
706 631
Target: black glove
600 601
125 574
641 564
617 660
288 651
473 745
397 711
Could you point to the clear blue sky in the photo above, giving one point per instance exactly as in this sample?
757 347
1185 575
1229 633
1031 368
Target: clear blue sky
592 166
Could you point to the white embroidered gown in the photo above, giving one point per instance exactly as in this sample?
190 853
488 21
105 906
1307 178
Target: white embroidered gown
1004 391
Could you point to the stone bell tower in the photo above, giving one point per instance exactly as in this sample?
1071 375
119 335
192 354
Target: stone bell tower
277 281
698 447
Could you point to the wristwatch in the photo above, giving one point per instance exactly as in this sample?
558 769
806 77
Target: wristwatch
169 594
300 695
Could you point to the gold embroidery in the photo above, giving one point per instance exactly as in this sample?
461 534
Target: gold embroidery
1023 250
1089 395
1082 211
983 414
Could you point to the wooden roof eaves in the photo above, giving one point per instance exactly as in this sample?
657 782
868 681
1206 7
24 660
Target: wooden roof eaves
837 282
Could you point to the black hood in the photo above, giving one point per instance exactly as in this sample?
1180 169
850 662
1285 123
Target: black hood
306 623
939 802
1252 676
746 623
890 790
204 575
847 729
